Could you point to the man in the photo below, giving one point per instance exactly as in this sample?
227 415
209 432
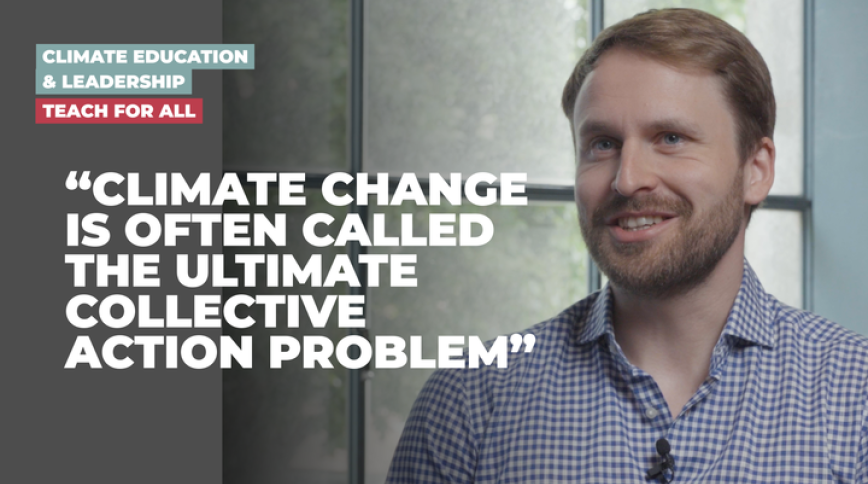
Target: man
683 367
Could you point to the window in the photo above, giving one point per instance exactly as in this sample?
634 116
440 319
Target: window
449 86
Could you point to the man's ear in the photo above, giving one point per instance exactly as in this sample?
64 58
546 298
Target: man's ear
759 172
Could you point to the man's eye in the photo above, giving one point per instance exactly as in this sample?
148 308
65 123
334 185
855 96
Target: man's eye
672 139
603 145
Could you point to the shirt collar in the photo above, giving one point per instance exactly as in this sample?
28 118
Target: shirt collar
750 319
599 320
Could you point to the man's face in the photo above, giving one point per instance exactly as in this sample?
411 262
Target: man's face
659 184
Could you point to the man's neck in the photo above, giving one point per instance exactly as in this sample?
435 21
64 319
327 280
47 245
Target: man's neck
672 339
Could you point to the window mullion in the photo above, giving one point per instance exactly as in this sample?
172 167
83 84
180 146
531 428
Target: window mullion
356 400
808 155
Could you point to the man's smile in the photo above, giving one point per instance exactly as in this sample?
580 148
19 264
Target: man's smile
627 227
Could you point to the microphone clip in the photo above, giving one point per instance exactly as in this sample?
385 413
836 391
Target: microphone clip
659 470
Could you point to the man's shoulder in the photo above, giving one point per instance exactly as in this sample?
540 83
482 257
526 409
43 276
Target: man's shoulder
819 346
552 336
539 346
812 330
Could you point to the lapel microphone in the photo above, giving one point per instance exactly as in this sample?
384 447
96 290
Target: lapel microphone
658 471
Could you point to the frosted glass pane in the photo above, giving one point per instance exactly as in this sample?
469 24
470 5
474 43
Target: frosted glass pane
535 266
467 86
773 246
775 27
732 11
286 425
290 113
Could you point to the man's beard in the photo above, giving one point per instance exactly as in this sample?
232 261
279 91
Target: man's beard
663 269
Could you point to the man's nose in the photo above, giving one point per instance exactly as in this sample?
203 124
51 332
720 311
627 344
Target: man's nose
636 171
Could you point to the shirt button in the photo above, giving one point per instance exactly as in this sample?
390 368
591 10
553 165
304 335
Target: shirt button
651 412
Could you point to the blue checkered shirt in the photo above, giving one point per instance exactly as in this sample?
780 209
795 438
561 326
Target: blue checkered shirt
786 401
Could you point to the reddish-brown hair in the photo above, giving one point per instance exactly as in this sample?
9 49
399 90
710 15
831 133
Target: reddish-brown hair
686 38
